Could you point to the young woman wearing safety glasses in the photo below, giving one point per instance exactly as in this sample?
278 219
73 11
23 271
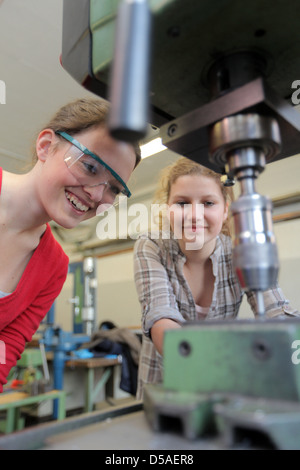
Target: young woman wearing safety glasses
79 171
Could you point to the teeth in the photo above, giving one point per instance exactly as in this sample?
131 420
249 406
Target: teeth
77 203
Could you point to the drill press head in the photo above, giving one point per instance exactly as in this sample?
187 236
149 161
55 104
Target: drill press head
243 143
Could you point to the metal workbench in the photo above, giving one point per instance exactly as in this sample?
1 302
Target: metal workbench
118 428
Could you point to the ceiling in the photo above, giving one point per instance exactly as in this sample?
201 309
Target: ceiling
36 86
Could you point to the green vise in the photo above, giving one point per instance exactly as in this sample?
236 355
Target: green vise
231 378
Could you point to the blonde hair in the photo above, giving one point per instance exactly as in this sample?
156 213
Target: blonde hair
182 167
81 115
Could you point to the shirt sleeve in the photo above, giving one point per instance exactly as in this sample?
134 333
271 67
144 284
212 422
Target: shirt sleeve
155 291
276 305
20 331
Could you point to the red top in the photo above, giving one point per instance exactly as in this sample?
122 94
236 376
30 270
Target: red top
22 311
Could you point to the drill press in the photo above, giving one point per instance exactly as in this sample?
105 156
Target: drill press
221 78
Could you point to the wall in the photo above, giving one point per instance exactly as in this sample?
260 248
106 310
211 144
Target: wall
116 295
117 298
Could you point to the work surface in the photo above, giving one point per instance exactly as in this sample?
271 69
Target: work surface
108 430
125 433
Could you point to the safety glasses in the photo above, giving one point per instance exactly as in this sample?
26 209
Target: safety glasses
90 170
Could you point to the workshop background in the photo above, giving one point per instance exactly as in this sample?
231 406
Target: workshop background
35 86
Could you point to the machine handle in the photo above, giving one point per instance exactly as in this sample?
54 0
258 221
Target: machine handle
129 82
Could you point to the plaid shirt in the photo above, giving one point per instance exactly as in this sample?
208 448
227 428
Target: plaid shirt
164 293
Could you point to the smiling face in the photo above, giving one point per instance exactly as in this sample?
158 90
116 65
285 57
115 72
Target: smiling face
198 210
66 200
